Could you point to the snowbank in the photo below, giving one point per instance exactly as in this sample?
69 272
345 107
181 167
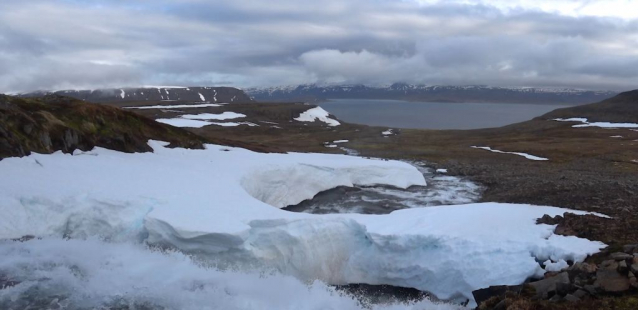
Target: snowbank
317 114
90 274
586 123
221 205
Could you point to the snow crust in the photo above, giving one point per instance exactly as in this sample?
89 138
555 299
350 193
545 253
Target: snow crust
211 116
317 114
222 205
528 156
586 123
177 106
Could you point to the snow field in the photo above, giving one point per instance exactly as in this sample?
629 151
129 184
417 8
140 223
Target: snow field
222 206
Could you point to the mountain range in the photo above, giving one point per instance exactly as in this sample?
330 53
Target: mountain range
425 93
152 93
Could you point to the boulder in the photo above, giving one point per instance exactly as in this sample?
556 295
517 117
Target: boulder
630 248
634 268
547 287
570 297
619 256
484 294
610 281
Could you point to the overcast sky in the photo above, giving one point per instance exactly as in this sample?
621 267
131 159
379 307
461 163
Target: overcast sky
64 44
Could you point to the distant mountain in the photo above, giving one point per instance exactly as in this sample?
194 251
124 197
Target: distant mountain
153 93
402 91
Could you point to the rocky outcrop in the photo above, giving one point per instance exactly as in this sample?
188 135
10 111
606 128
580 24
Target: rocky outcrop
615 275
55 123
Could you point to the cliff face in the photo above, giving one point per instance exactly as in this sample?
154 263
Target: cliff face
194 94
55 123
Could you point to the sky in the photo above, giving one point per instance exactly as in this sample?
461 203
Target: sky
89 44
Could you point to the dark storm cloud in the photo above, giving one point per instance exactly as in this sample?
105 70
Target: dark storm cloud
90 44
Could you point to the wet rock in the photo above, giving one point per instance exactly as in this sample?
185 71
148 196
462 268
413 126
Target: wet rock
547 287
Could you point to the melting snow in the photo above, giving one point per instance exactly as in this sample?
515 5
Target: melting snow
340 141
201 97
441 170
528 156
182 122
207 116
122 93
319 114
387 132
585 123
223 207
233 124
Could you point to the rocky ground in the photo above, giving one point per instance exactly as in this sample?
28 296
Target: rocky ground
593 169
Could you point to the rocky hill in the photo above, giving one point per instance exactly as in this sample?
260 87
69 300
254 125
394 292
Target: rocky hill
56 123
158 93
408 92
619 109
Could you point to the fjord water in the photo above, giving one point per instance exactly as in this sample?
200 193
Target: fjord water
434 115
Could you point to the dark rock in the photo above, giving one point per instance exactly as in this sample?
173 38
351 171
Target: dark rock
556 298
572 298
591 289
618 256
630 248
581 293
622 267
634 268
484 294
584 267
563 289
609 264
547 287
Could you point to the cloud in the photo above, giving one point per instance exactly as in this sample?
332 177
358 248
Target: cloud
90 44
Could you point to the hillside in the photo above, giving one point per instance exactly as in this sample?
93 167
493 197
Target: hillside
425 93
55 123
149 93
621 108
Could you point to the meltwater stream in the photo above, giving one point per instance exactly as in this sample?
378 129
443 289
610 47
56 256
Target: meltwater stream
441 189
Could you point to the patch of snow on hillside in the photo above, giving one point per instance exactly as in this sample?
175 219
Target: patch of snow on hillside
122 93
210 116
340 141
201 97
178 106
182 122
222 205
528 156
586 123
387 132
317 114
234 124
